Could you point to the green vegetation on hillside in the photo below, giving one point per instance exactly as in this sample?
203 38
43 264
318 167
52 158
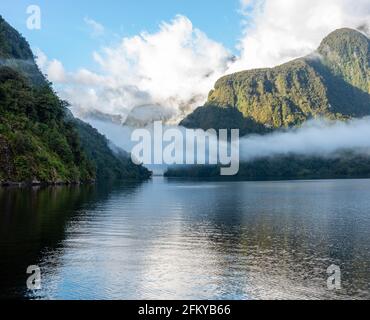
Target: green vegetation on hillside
332 83
110 162
12 44
347 54
36 142
40 140
344 165
16 53
212 117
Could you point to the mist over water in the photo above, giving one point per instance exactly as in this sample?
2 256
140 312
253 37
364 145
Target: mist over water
319 138
315 138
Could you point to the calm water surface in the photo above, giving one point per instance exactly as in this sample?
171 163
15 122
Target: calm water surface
173 239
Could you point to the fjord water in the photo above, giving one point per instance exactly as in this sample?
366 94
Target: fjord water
178 239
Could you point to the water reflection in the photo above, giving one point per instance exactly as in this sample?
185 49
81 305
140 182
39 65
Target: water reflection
34 221
173 239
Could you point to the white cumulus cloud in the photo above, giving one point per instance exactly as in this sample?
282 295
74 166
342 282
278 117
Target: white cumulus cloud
173 68
277 31
52 68
164 75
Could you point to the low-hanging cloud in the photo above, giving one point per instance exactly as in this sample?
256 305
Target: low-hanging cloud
315 138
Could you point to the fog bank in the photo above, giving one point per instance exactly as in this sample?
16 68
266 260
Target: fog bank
314 138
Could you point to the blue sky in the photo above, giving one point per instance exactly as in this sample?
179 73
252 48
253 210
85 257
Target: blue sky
174 67
65 35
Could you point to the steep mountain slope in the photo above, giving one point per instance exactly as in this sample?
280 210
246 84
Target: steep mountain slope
345 165
16 53
332 82
211 117
346 53
110 162
40 141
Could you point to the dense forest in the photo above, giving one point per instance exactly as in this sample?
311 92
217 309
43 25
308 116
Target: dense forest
333 82
40 141
343 165
213 117
36 143
110 162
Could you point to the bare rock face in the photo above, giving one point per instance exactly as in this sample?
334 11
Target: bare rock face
7 169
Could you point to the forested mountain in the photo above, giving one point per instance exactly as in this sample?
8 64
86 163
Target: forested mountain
211 117
333 82
285 167
109 161
346 53
40 141
16 53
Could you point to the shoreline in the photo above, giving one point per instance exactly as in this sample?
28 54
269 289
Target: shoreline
267 179
28 184
12 184
22 184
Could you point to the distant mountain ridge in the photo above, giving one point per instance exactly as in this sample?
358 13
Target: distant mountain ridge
333 82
